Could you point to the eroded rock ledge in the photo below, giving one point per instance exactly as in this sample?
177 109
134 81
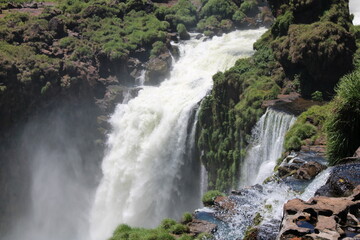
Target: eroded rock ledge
322 218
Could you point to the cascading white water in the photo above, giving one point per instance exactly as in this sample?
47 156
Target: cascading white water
267 146
147 174
354 6
268 201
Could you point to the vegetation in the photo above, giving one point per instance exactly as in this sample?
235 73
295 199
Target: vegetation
187 217
343 126
209 197
309 126
169 229
229 113
297 54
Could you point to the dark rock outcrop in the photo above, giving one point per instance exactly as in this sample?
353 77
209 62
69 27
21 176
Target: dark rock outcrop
158 68
343 179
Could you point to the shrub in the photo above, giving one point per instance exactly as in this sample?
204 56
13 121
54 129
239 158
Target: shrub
222 8
183 12
317 96
179 229
209 197
187 217
343 125
247 6
157 48
183 34
293 143
167 223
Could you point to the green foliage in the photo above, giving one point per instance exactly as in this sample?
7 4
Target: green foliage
282 23
182 12
187 217
343 126
309 125
125 232
208 24
45 88
257 219
229 113
239 16
248 5
317 96
167 223
68 42
209 197
222 8
157 48
179 229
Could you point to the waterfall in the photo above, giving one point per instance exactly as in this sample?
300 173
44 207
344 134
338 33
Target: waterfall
147 172
354 6
266 146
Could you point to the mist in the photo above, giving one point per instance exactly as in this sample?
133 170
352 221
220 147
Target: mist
61 174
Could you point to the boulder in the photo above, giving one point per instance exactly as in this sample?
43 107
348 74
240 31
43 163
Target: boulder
158 68
309 170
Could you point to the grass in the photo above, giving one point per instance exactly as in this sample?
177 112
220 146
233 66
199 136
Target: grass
209 197
343 125
310 125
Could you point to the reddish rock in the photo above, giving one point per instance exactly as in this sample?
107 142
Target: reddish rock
320 217
224 203
200 226
309 170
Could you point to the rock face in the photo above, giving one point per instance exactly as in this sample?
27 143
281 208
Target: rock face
321 217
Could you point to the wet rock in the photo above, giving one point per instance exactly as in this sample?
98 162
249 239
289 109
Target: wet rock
301 166
342 180
321 217
158 68
309 170
199 36
200 226
225 203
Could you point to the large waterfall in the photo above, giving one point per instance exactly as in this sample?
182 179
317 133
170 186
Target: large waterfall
267 146
147 175
355 9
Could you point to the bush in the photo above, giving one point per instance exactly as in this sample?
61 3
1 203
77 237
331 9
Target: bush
157 48
179 229
187 217
343 125
183 34
317 96
209 197
222 8
247 6
167 223
183 12
293 143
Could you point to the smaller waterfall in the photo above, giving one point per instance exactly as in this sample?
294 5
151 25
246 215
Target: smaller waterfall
267 145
